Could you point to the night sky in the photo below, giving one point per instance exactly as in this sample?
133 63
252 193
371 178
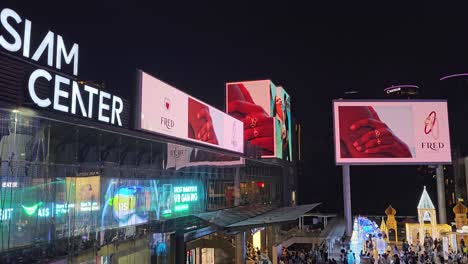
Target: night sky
316 52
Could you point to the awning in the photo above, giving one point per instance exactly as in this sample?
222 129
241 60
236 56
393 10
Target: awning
321 215
226 217
283 214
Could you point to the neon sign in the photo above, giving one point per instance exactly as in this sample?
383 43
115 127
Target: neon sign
5 214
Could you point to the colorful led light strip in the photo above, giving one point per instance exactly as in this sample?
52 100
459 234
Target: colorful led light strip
453 76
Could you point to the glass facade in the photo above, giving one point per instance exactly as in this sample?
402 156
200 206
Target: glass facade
84 186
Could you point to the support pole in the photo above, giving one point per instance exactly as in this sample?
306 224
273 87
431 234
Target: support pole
237 193
347 199
180 249
465 164
441 195
240 248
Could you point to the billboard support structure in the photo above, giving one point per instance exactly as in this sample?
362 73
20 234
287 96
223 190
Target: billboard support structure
347 199
441 195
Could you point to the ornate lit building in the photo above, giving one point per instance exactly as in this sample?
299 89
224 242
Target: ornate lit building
392 233
460 211
427 219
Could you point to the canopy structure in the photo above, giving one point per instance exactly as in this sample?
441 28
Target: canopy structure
280 215
226 217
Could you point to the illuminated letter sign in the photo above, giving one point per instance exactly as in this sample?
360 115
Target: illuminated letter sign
67 95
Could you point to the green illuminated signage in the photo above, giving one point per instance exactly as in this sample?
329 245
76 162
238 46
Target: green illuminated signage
181 207
183 194
30 210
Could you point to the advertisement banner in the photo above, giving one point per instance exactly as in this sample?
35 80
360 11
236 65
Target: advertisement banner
253 103
283 122
265 110
391 132
84 193
127 202
168 111
179 157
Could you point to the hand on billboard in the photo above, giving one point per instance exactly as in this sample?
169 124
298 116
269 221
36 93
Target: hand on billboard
279 108
258 126
380 140
206 132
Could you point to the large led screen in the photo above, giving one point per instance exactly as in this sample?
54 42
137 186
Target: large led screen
391 132
265 111
253 104
165 110
283 122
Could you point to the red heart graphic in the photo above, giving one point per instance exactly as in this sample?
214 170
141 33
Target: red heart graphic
167 105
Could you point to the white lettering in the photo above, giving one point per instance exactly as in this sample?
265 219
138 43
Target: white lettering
32 92
27 38
103 106
60 93
47 42
116 111
91 91
5 214
77 95
16 45
73 55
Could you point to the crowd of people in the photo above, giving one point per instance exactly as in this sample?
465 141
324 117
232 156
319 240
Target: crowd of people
430 251
255 255
316 254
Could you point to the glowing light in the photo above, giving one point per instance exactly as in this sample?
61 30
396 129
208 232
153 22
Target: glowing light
30 210
396 88
453 76
181 207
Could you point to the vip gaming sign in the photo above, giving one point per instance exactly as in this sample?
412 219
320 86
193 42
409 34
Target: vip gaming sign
182 197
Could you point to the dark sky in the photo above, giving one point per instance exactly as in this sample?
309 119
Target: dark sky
316 51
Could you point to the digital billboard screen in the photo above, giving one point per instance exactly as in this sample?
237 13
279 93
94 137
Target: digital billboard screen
391 132
166 110
266 113
252 103
283 122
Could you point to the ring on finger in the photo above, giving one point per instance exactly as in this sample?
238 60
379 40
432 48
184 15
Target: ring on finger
255 132
377 133
253 122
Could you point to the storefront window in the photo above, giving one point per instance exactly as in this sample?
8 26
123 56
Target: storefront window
71 185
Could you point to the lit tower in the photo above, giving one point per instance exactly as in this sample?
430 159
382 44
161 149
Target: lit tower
426 213
384 229
391 224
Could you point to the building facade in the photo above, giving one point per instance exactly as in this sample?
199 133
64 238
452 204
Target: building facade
80 184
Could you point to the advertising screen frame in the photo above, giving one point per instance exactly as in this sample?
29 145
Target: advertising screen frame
139 126
383 161
267 102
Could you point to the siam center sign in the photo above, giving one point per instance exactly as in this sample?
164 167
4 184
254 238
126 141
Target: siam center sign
18 38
